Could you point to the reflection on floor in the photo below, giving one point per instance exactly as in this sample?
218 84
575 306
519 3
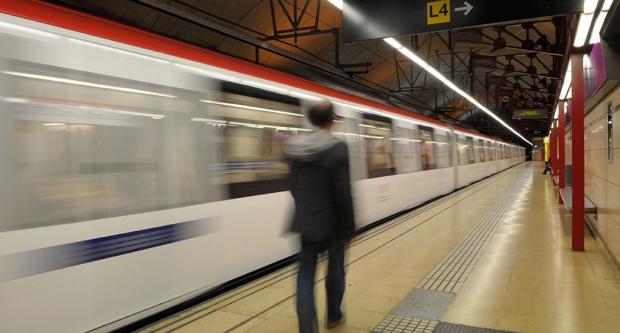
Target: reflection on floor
526 278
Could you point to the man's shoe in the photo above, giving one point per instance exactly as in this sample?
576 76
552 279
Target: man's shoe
334 323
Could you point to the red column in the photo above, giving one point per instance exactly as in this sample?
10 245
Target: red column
561 150
578 152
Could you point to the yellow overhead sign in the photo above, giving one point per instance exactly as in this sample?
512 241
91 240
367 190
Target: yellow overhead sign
438 12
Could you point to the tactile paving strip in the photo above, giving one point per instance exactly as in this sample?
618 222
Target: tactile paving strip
454 328
450 274
421 309
400 324
424 304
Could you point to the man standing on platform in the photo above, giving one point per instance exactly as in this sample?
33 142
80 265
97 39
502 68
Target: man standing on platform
324 219
547 157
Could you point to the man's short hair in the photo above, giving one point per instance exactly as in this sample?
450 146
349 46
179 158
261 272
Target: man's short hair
322 114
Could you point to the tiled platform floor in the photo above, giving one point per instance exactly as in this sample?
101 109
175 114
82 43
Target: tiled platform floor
527 278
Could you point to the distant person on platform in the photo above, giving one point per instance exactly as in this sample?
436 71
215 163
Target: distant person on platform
547 156
547 167
321 188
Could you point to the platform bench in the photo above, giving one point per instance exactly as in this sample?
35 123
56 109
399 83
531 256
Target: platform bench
567 197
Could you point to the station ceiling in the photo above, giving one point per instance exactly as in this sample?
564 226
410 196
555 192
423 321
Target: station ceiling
507 66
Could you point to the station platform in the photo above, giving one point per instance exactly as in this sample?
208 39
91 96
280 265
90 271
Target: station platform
495 255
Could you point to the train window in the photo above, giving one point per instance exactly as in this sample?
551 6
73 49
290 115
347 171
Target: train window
460 150
377 134
347 130
443 149
471 157
250 135
406 144
465 150
86 152
490 151
428 148
481 150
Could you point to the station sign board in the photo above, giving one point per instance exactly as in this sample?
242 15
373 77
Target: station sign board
530 114
369 19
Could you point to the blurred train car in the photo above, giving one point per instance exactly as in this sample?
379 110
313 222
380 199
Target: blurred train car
142 172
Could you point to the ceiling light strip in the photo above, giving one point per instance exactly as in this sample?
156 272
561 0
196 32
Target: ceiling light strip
338 3
585 21
420 62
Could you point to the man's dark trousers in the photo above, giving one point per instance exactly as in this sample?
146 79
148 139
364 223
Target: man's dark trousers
334 284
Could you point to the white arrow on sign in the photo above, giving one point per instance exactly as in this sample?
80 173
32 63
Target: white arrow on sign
468 7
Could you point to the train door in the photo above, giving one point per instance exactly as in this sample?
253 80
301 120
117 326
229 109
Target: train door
347 128
406 147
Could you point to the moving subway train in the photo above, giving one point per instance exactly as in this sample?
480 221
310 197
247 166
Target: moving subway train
138 172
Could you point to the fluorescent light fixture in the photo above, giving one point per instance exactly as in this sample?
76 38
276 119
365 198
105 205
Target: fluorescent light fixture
54 124
112 49
86 84
607 4
236 123
123 112
420 62
359 135
557 111
265 86
252 125
304 96
596 30
207 120
249 107
215 75
405 140
375 127
567 81
21 29
371 136
585 20
589 6
394 43
15 100
94 109
338 3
